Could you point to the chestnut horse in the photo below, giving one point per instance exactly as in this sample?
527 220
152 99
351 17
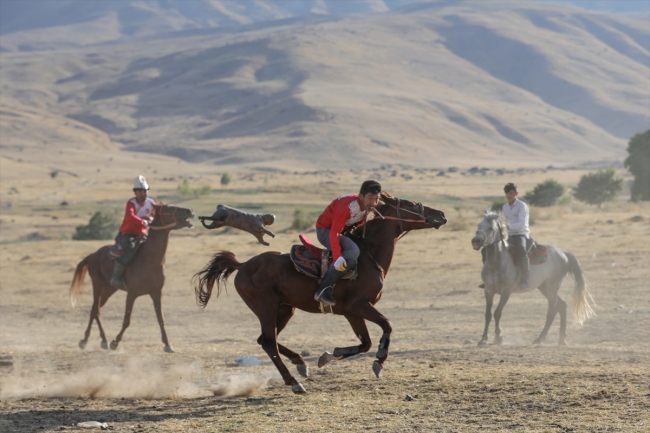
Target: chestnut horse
273 289
144 275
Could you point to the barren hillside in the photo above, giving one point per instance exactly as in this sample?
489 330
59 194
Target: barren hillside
429 84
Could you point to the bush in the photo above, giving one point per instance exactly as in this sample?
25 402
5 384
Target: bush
545 194
185 189
597 188
497 204
639 165
225 179
302 220
100 226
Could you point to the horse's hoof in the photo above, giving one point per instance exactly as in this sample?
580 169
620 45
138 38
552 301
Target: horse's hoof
82 344
482 343
562 343
297 388
538 341
104 345
113 345
498 341
325 358
169 349
303 370
376 368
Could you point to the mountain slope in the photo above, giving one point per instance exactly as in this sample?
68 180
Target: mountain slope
426 84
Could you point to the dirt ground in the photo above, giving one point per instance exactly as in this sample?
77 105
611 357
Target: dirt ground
435 379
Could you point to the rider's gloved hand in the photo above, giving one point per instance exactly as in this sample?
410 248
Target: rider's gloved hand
340 264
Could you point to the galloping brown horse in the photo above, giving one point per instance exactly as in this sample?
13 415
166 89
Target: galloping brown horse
273 289
145 275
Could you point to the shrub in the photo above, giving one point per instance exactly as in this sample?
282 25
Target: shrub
545 194
599 187
639 165
302 220
185 189
100 226
225 179
497 204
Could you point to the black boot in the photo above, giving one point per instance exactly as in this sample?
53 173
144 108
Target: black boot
117 280
325 291
523 269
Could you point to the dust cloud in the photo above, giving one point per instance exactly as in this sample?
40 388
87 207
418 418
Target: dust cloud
138 379
241 385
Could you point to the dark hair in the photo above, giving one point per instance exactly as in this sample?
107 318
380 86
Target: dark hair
370 186
509 187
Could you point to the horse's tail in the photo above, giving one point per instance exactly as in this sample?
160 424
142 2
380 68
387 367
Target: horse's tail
218 270
581 308
77 285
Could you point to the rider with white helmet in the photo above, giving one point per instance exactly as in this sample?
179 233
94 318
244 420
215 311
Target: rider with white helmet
133 231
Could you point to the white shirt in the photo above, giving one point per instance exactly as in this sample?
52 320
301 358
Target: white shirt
517 218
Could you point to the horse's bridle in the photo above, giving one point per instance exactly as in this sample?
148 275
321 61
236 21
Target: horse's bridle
397 208
166 226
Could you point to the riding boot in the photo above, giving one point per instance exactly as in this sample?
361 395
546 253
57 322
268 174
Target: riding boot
325 291
117 280
523 269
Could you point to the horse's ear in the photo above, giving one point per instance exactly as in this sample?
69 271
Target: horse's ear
485 213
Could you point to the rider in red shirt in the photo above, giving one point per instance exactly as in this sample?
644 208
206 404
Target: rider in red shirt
133 231
344 212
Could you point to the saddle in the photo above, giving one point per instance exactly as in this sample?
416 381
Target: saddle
537 253
313 261
117 249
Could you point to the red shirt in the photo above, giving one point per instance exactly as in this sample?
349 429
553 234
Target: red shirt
343 212
134 214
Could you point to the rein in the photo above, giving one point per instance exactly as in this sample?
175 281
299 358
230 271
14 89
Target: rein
166 226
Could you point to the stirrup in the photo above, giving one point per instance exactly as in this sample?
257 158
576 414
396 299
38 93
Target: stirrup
325 296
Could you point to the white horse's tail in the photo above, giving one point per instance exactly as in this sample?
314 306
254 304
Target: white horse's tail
581 308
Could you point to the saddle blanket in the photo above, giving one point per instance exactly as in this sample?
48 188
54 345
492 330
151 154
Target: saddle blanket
309 259
537 254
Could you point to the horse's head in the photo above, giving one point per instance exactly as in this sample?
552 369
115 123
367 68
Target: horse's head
411 215
489 231
171 217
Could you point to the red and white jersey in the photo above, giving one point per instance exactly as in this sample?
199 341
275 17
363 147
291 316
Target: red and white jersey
134 222
343 212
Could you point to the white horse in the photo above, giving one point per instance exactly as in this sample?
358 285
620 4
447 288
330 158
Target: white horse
501 276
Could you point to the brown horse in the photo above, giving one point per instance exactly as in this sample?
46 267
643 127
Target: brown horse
145 275
273 289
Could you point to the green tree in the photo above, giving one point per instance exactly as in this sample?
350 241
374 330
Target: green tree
225 179
184 188
638 162
545 194
497 204
100 226
599 187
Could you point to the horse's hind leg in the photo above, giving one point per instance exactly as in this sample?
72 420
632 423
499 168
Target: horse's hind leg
95 313
561 308
157 305
554 305
489 299
285 313
130 300
361 331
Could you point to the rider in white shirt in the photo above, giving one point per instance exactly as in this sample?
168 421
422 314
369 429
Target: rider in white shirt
517 215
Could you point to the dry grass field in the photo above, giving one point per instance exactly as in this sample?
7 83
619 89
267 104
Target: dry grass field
599 382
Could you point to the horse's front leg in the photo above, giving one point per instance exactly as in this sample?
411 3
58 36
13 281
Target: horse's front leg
130 300
361 331
366 311
489 299
503 300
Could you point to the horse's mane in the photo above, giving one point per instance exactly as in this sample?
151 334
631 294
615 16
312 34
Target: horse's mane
497 218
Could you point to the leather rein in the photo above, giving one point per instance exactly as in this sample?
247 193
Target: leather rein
166 226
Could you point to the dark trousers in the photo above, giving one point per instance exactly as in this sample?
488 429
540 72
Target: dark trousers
130 245
520 243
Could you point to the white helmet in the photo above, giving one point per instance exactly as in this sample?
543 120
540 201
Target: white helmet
140 183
